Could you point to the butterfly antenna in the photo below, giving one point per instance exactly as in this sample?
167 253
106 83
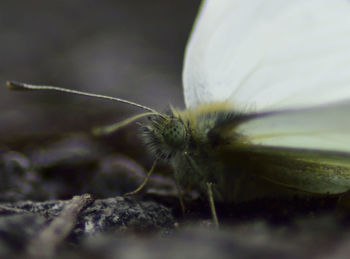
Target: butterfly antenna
23 87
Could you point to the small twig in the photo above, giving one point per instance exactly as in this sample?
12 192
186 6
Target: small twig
45 244
4 210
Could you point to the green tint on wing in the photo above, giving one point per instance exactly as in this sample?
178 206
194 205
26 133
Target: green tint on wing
313 171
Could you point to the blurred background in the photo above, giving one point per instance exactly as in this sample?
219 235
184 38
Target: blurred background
128 49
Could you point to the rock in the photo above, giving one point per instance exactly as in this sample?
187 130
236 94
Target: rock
38 229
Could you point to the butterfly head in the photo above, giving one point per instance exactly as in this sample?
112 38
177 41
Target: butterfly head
165 135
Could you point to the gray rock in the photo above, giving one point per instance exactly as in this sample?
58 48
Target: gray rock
38 229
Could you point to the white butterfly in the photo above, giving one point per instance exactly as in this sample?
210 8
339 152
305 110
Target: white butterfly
290 62
267 87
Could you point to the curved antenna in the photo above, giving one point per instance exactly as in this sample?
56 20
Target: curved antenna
23 86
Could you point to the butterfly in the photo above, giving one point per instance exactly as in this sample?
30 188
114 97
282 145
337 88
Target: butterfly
267 92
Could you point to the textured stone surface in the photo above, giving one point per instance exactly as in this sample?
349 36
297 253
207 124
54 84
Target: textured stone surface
110 214
39 229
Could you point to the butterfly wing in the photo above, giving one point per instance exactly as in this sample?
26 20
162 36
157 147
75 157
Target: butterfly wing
324 127
265 55
304 149
308 171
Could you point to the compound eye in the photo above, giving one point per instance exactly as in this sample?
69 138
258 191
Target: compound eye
174 133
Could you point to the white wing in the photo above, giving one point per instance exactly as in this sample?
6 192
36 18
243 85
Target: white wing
269 54
318 128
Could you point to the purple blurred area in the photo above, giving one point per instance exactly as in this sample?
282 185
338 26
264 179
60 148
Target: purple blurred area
129 49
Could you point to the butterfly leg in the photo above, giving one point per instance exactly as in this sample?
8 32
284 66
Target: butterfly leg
212 204
144 181
209 190
180 196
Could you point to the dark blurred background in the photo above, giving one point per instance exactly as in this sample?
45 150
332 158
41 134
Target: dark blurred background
129 49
